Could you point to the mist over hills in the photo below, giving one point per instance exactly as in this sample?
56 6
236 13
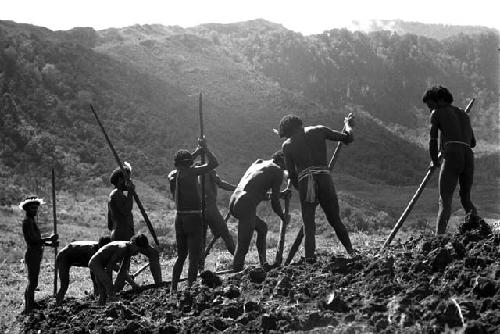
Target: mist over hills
144 82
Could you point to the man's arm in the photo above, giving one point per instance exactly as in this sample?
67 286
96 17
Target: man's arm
212 163
224 185
290 167
346 137
275 195
122 274
433 140
121 203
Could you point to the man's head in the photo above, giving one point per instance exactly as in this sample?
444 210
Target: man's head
103 241
140 240
183 158
437 96
279 159
117 179
31 204
289 124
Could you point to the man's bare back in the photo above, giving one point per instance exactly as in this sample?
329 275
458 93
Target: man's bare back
261 176
454 124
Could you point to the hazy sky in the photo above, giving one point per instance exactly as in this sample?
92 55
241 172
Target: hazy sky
307 17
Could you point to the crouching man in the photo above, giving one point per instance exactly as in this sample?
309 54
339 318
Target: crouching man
76 254
118 252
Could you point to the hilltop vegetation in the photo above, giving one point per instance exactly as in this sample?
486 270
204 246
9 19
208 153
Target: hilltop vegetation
144 82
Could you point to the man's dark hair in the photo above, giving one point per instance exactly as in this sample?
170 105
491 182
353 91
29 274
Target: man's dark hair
437 93
288 124
140 240
183 158
116 175
103 241
279 157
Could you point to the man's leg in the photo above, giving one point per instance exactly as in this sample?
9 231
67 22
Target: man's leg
154 263
219 228
120 281
447 182
182 253
63 269
309 225
261 228
330 204
465 180
194 230
32 260
103 279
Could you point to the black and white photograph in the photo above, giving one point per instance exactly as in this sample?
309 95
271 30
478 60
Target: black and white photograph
249 166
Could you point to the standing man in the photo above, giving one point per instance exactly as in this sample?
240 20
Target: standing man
34 250
457 141
261 176
77 254
188 221
306 162
213 218
121 221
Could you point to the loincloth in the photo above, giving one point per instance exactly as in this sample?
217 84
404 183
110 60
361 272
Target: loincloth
311 194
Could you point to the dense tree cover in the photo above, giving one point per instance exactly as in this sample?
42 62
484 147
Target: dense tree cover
144 81
382 71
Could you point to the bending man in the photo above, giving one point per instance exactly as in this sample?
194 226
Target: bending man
76 254
261 176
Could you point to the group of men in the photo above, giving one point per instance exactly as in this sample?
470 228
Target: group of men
303 156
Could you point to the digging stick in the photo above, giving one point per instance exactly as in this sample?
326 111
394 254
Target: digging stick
417 194
335 155
140 270
203 202
300 234
283 226
55 226
118 161
216 237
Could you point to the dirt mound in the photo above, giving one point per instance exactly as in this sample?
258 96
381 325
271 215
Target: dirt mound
426 284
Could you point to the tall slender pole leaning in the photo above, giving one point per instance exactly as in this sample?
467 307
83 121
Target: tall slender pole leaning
300 234
417 194
215 237
55 226
281 242
202 136
118 161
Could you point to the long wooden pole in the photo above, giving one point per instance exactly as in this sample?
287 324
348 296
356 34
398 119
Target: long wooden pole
55 227
335 155
203 202
283 226
417 194
125 174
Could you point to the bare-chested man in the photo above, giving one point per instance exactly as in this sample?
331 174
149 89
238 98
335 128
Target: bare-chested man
213 218
306 162
76 254
457 141
121 222
103 262
34 251
188 221
252 189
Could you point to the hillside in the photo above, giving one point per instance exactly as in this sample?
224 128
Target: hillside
436 31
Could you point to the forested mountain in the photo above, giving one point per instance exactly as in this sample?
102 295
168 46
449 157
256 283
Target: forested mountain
436 31
144 82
